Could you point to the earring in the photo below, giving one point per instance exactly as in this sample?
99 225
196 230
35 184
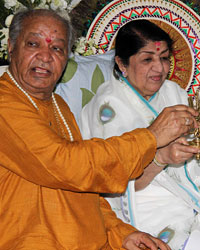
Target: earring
123 73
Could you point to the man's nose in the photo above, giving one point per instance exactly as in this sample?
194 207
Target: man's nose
45 55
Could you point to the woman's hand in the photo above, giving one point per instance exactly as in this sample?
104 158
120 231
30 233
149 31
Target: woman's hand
140 240
172 123
176 152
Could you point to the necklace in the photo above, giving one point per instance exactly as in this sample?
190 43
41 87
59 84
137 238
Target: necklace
62 117
35 105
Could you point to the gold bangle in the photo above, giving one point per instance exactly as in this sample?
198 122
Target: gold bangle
159 164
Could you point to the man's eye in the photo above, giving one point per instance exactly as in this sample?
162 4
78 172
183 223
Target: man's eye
57 49
32 44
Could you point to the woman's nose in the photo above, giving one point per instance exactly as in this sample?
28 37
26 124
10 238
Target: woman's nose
158 65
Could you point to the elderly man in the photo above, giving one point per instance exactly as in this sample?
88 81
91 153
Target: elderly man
49 177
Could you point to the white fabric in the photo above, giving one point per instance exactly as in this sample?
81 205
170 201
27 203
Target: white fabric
193 241
163 203
71 90
3 69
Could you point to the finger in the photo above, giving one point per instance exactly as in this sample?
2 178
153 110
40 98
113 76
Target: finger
143 247
187 127
182 140
185 149
186 113
182 153
151 243
186 108
161 245
188 120
130 245
190 150
138 239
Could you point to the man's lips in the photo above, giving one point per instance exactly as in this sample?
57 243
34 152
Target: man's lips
41 70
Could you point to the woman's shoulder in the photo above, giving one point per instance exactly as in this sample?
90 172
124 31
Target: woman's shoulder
107 92
172 86
108 88
172 91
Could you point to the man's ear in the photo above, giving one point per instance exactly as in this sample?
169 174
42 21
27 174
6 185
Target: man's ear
10 47
10 50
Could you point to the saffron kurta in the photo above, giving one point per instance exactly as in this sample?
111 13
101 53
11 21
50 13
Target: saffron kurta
49 186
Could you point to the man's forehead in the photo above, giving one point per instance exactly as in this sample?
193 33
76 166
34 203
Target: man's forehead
37 21
43 30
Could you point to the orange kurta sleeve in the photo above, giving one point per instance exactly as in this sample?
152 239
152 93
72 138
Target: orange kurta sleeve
33 150
116 229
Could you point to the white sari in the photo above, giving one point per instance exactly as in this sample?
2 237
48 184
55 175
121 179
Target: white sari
172 199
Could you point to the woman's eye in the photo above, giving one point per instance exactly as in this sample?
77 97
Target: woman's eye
165 58
148 59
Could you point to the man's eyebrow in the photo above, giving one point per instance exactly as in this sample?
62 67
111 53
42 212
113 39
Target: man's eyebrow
40 35
35 34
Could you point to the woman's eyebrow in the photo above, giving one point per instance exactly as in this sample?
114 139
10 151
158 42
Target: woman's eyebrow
153 52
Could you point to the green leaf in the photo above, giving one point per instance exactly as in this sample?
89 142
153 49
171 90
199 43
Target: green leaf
86 96
70 70
97 79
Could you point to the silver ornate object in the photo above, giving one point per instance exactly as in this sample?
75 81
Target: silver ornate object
195 103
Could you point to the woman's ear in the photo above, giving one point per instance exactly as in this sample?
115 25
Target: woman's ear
121 66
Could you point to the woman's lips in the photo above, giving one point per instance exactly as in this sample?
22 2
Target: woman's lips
156 78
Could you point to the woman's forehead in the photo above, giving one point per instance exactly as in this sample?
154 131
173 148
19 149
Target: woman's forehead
154 46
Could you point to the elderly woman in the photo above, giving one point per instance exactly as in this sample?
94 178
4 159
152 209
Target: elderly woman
50 179
166 201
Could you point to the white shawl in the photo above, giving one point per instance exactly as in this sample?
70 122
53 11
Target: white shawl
171 198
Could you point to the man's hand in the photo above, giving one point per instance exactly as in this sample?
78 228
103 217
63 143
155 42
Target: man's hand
140 240
172 123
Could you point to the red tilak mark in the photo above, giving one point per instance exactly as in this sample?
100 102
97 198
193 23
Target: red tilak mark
157 49
48 40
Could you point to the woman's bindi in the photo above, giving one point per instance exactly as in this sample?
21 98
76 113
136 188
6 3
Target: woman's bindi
157 45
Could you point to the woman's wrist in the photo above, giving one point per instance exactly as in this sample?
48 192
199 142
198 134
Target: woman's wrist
159 163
